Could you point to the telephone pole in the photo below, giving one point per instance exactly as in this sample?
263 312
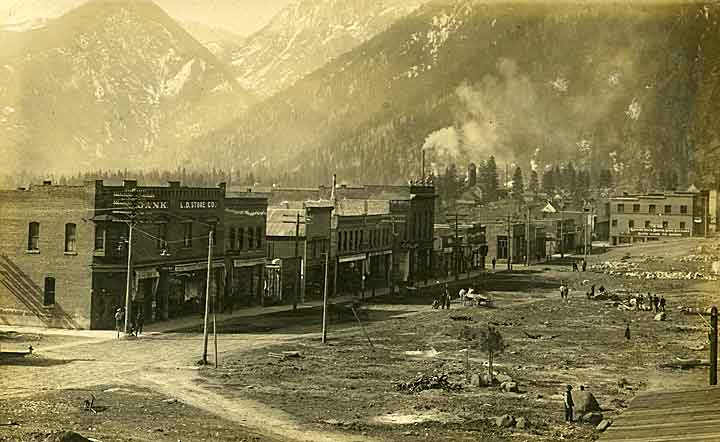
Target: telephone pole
527 238
207 296
325 295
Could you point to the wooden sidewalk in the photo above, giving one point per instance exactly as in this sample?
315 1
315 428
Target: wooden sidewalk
687 415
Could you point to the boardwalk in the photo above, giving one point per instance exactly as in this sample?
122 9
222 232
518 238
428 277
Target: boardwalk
688 415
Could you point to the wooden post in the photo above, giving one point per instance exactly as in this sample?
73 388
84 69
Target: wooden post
713 345
129 279
325 297
362 327
207 297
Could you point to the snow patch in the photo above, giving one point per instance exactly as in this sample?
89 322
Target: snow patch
173 86
614 78
560 84
634 109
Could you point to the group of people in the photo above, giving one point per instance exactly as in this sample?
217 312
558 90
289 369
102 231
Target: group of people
136 322
656 304
564 290
575 267
569 403
443 300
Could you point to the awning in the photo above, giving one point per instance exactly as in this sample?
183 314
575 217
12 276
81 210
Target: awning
147 274
352 258
237 263
197 266
380 253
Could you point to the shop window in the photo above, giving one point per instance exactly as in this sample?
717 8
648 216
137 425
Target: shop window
231 238
241 238
339 242
70 237
665 224
647 224
683 210
187 234
682 224
668 209
362 236
258 237
636 208
49 291
353 244
631 224
162 236
250 237
621 208
33 236
100 234
651 208
614 223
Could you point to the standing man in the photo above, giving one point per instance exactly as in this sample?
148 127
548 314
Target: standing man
569 404
662 303
119 315
584 265
494 262
627 331
139 322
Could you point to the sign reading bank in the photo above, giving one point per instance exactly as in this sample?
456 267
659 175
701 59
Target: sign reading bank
198 205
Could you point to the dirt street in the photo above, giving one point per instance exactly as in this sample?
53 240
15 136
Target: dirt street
151 388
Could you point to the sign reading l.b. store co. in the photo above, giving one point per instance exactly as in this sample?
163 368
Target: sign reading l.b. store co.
204 204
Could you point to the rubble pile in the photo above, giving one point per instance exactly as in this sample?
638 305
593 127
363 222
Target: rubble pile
699 258
632 270
428 382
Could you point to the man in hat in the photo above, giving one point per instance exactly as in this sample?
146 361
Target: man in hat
569 404
119 316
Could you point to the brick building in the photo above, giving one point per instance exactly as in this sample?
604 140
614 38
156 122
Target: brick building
635 218
64 251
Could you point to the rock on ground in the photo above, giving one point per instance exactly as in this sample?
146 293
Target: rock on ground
509 387
660 316
585 402
522 423
592 418
604 424
505 421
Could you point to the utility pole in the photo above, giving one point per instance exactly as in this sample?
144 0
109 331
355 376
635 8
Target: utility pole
207 296
325 295
297 244
131 224
527 238
457 255
562 236
713 345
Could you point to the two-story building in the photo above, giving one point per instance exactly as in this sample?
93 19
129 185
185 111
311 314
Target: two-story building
640 218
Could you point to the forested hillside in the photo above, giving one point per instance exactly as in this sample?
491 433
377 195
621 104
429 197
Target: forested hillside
628 88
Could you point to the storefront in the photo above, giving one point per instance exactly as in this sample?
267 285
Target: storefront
186 287
350 273
378 270
246 282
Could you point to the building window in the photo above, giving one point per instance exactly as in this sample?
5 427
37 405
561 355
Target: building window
339 242
49 291
636 208
668 209
258 237
362 236
33 236
614 223
621 208
647 224
651 208
251 237
241 238
162 236
631 224
683 210
231 238
665 224
100 233
682 224
353 244
70 237
187 234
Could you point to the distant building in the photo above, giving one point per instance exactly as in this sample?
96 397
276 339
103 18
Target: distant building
640 218
64 252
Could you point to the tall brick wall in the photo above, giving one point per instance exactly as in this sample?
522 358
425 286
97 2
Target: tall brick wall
23 272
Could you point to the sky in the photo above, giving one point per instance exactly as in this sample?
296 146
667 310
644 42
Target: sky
241 17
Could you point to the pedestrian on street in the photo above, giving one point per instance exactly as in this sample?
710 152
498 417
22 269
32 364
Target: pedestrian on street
592 290
494 262
575 267
662 303
562 290
119 314
462 295
569 404
139 323
627 331
656 303
584 265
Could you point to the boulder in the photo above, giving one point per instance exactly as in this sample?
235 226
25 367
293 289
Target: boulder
502 377
66 436
510 387
477 380
585 402
604 424
660 316
522 423
486 380
505 421
592 418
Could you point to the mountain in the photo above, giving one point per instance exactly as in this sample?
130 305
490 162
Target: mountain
631 86
109 84
306 34
220 42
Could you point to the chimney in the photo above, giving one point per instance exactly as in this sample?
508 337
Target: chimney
129 184
332 191
47 183
174 183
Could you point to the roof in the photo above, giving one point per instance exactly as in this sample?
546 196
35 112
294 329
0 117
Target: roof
319 204
669 416
281 222
348 207
549 208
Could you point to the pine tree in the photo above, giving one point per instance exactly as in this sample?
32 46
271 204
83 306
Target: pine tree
491 179
534 185
471 175
518 186
548 181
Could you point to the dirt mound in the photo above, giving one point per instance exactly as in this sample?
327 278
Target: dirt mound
66 436
585 402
